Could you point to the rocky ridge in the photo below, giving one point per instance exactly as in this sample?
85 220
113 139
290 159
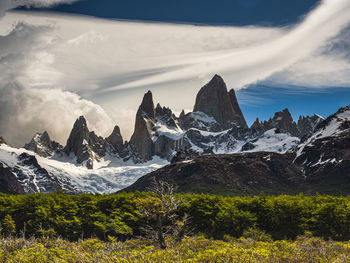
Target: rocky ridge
320 164
216 126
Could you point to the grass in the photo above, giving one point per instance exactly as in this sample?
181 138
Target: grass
191 249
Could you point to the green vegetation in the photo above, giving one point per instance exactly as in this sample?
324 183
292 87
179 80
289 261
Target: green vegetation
191 249
126 215
163 227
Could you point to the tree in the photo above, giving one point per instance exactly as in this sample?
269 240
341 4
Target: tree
159 212
8 226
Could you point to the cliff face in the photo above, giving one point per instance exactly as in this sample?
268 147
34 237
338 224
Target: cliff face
141 140
43 145
116 140
214 100
284 122
85 145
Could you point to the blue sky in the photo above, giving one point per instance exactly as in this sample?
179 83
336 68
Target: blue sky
227 12
98 57
258 100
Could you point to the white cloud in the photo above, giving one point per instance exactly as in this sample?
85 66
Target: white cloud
113 62
25 109
6 5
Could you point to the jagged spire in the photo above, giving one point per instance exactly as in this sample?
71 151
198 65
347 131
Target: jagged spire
141 140
147 105
85 145
214 100
116 139
42 144
79 133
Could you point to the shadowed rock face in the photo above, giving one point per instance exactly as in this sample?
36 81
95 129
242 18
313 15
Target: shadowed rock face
325 155
116 139
239 118
307 125
248 173
141 140
84 143
8 182
214 100
42 145
2 140
283 121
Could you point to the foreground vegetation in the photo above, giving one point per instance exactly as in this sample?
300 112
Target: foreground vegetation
131 215
198 249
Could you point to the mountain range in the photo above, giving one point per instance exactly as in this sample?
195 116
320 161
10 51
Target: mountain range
210 148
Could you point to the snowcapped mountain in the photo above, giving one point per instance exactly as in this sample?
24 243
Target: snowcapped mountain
319 164
90 163
60 172
325 155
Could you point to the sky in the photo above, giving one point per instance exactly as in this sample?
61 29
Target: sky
65 58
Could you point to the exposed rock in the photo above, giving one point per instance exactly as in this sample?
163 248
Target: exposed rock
85 145
2 140
282 120
247 147
147 106
238 115
165 116
141 140
42 145
116 140
307 125
8 182
200 120
36 179
214 100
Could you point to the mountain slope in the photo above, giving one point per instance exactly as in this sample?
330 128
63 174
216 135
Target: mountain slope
91 163
319 164
247 173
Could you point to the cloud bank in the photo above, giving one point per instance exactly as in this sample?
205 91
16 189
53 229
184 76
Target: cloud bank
6 5
94 64
26 110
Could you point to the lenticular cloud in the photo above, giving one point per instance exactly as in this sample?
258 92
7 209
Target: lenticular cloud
94 63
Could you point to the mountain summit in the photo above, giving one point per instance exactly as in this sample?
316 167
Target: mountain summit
214 100
85 145
216 126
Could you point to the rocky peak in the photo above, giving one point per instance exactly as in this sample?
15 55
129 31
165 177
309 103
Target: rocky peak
85 145
116 139
165 116
141 140
306 125
78 136
283 120
214 100
147 106
256 124
42 144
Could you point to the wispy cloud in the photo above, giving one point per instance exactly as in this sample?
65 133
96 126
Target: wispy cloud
6 5
113 62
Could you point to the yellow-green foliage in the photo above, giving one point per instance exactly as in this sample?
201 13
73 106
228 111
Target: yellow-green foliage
74 217
199 249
